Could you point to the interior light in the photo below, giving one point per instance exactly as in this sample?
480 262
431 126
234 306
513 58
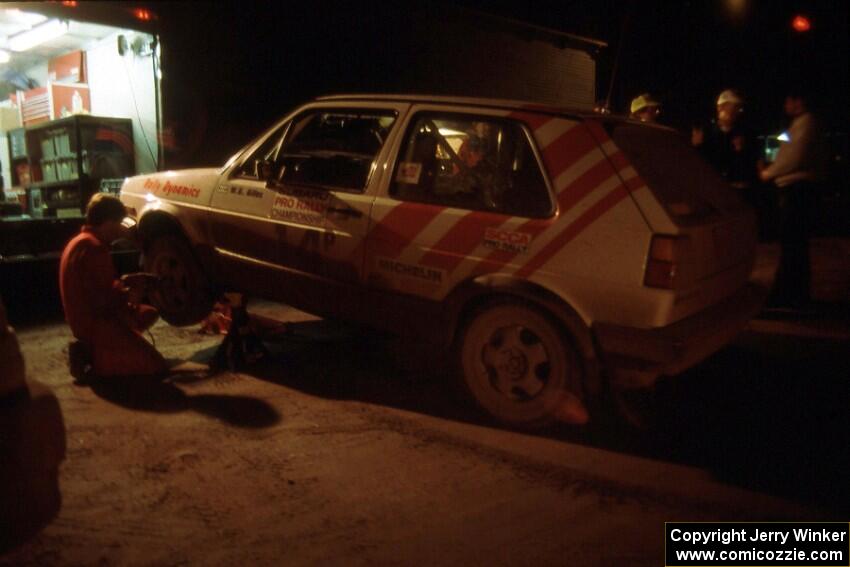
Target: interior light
70 3
4 56
50 29
784 137
28 19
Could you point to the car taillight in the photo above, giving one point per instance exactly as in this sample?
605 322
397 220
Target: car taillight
665 254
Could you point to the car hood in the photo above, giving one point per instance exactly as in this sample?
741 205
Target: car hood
187 185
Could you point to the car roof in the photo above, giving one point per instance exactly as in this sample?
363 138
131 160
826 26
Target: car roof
463 100
530 106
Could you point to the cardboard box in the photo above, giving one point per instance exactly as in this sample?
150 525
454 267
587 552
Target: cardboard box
68 68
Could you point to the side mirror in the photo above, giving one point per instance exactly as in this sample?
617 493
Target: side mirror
265 169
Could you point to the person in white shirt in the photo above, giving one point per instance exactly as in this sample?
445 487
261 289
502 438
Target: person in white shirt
799 168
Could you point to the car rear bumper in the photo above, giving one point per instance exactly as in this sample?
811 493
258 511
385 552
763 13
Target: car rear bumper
635 357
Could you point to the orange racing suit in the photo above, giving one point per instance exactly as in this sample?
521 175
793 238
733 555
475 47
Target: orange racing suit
97 310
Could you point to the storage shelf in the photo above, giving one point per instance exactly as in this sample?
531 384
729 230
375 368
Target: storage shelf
55 184
59 157
74 153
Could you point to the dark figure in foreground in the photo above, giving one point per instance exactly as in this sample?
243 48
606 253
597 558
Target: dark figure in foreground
105 313
799 168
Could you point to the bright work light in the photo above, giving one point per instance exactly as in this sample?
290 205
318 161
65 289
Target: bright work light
28 39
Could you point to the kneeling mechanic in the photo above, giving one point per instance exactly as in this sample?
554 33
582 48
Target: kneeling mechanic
104 312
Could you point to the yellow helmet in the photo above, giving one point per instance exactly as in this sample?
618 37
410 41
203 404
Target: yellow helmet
642 101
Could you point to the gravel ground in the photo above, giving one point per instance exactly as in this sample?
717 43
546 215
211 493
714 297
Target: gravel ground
337 451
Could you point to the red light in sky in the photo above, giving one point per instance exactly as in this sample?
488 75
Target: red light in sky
801 24
144 14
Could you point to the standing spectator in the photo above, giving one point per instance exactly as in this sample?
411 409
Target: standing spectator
645 108
799 167
728 145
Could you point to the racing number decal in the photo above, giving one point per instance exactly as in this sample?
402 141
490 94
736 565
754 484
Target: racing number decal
506 240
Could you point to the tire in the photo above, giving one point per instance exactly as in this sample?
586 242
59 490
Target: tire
519 366
184 295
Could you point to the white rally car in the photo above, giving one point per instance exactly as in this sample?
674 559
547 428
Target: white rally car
559 254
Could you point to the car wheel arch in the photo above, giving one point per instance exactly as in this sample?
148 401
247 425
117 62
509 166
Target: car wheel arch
156 223
474 294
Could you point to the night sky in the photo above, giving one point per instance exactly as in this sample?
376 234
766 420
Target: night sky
238 66
687 52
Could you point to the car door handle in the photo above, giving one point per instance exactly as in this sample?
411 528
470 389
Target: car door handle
346 212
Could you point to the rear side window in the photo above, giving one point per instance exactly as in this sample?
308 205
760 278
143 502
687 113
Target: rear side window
688 187
332 149
471 162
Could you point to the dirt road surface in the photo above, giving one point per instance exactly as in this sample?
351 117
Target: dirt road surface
345 448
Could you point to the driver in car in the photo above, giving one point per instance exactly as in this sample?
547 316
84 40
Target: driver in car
475 171
471 152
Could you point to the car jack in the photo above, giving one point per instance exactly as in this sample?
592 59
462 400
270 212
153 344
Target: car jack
242 345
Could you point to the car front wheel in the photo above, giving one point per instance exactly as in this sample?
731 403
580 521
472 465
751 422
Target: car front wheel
183 295
519 367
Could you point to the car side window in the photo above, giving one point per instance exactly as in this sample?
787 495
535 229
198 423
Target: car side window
471 162
332 148
268 150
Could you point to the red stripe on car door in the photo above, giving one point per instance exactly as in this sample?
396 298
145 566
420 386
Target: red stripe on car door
466 235
584 185
574 229
598 131
400 227
567 198
567 150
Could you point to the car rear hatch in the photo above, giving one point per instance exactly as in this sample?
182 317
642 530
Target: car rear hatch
704 234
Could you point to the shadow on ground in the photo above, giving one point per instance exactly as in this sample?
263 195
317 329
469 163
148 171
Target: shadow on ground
161 396
768 413
338 361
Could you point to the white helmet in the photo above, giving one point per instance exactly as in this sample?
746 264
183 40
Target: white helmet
730 95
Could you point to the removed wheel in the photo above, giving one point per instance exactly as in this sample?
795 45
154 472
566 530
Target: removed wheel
184 295
520 368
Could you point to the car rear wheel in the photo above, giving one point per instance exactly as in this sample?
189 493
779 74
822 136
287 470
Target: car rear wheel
184 295
519 367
